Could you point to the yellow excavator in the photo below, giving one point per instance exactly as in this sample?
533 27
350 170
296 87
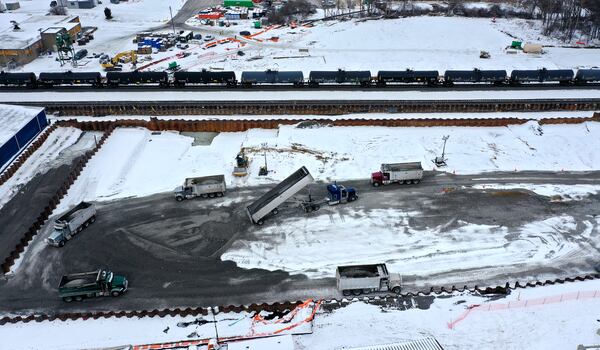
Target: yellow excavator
122 57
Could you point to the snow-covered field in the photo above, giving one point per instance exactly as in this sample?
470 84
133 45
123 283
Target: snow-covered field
526 319
134 162
419 43
333 239
119 332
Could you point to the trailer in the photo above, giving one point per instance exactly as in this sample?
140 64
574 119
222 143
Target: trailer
91 284
402 173
358 279
336 194
268 203
205 187
71 223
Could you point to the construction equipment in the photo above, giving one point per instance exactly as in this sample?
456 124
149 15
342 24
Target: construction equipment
336 194
91 284
441 161
241 168
358 279
71 223
114 63
205 187
402 173
267 204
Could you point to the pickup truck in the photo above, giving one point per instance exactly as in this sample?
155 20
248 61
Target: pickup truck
71 223
91 284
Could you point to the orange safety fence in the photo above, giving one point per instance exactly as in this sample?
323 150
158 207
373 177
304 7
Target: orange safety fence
252 334
525 303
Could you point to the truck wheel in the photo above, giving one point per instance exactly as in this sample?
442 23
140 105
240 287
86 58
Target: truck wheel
345 292
61 244
211 195
115 294
179 198
219 194
356 292
78 298
68 299
416 181
376 184
316 207
92 219
86 224
204 195
275 211
260 222
396 290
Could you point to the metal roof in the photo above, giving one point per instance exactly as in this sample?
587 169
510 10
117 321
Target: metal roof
13 118
418 344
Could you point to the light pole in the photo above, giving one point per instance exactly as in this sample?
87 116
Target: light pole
172 23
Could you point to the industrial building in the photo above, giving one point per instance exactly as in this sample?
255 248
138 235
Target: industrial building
23 37
20 125
79 4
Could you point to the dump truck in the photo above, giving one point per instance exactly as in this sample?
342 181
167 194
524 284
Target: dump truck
71 223
358 279
91 284
402 173
268 203
205 187
336 194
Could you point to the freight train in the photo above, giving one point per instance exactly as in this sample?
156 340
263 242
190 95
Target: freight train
296 78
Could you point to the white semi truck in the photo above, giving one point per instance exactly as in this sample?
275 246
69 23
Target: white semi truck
403 173
205 187
71 223
358 279
268 203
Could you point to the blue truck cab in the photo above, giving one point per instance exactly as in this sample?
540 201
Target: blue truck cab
341 194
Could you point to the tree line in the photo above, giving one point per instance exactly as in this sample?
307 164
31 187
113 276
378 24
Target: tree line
567 18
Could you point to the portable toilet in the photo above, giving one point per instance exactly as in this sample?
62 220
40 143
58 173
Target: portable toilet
257 25
516 45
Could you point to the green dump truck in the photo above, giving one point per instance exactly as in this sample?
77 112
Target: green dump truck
91 284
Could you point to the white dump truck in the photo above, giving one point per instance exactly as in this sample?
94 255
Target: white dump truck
268 203
398 173
72 222
205 187
358 279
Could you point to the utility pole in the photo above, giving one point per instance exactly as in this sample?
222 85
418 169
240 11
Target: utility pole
172 23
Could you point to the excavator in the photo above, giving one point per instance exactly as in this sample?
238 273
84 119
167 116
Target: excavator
114 64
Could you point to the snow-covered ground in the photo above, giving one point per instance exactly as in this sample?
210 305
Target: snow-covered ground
551 317
112 332
305 117
554 317
282 95
419 43
134 162
47 156
562 192
434 250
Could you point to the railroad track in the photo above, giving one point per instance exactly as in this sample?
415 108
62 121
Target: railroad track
311 107
283 306
323 87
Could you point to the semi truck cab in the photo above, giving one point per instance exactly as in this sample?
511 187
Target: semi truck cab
341 194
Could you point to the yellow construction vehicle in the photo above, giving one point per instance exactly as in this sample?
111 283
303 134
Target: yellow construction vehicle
121 57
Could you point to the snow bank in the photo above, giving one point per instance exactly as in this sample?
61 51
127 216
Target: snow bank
566 192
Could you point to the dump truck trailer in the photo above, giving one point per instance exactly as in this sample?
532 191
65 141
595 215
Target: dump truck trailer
205 187
91 284
268 203
398 173
71 223
358 279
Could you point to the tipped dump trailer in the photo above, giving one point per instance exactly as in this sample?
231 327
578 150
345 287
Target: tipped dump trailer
205 186
72 222
358 279
411 172
268 203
